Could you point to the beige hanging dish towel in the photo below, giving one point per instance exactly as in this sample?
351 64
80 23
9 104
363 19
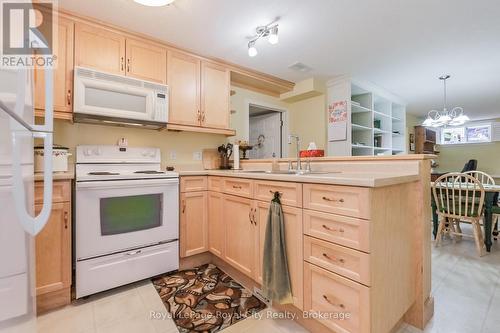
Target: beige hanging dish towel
275 276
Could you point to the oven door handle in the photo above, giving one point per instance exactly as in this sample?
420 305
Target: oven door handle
112 184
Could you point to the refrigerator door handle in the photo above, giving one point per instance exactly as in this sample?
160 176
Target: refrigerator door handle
48 125
32 225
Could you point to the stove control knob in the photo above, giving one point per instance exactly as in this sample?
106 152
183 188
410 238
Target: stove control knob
144 153
87 152
152 153
97 151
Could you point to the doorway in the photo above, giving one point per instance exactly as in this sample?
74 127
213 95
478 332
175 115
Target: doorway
266 132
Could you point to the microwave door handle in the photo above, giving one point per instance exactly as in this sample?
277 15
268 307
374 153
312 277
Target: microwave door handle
32 225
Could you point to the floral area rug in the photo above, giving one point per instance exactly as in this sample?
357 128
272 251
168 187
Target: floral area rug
205 299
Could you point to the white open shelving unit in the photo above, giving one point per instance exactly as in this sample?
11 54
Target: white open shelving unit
376 120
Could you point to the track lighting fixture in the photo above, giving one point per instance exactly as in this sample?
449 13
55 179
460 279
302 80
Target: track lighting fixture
270 31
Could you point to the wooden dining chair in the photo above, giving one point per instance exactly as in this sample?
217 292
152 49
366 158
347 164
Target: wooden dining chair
496 218
459 197
483 177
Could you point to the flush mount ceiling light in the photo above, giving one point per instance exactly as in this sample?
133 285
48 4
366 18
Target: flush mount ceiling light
154 3
270 31
445 117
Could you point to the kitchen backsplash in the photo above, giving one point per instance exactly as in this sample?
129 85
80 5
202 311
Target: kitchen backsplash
180 149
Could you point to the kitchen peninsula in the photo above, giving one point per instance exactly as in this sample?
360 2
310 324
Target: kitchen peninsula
350 248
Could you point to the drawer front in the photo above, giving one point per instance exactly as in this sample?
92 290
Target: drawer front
103 273
290 193
237 186
194 183
61 191
350 263
342 230
346 303
215 184
343 200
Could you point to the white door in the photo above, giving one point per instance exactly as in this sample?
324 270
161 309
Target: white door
265 135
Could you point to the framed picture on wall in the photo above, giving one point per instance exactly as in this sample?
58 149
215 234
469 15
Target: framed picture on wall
412 142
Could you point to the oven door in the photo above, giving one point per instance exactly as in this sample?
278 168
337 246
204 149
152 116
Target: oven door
114 216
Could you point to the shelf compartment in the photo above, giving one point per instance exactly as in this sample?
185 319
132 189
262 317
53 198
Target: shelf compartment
356 127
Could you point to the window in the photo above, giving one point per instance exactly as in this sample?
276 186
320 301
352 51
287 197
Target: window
453 135
469 134
479 133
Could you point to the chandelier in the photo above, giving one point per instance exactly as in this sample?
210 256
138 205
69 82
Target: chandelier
445 117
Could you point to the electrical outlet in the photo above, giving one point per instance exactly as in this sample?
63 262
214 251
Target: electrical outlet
173 155
197 156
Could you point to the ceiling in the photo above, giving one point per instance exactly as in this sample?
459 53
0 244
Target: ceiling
402 46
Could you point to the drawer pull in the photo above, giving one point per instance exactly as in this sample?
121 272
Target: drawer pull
183 206
333 200
237 187
332 229
333 259
340 305
272 192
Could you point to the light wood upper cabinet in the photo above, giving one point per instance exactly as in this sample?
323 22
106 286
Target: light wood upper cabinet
240 233
215 224
99 48
146 61
293 240
183 79
194 223
63 74
215 88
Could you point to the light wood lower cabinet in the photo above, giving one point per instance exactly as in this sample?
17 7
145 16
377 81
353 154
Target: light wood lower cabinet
346 303
293 240
53 251
216 230
194 223
240 233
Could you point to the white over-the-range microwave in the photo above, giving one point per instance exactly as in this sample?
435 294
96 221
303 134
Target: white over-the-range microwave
106 98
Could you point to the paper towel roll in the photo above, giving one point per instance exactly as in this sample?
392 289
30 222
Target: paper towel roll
236 157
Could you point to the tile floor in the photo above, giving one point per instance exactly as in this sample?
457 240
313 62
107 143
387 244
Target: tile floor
466 290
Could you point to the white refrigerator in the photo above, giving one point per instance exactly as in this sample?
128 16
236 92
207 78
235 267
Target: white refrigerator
18 226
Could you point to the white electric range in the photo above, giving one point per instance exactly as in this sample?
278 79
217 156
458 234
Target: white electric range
126 217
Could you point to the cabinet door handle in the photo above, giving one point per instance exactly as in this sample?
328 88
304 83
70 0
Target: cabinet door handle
250 216
68 97
333 200
340 305
183 206
198 113
203 117
272 192
332 229
128 64
121 63
237 187
66 215
254 212
341 260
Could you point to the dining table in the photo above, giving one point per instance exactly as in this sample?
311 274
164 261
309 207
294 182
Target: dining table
491 193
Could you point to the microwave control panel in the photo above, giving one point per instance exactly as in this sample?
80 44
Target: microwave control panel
161 106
